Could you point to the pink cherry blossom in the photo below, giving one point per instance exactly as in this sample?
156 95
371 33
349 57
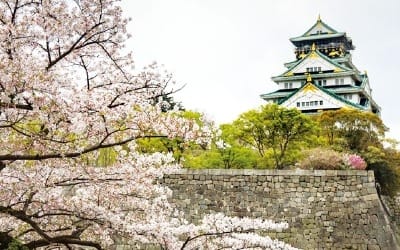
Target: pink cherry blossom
67 91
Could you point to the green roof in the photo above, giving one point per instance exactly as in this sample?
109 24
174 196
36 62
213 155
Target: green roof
344 89
337 97
326 58
315 37
279 93
278 79
320 30
325 28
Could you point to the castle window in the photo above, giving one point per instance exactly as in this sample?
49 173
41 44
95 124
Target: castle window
319 69
336 81
348 96
288 85
321 102
302 104
341 81
298 104
323 82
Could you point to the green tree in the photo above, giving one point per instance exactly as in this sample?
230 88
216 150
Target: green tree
363 133
274 128
224 152
232 153
177 146
386 165
352 129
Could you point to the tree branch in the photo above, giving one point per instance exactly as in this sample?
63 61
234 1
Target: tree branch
213 234
73 46
63 240
36 157
16 106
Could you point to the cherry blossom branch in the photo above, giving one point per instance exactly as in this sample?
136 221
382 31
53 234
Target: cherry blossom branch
216 234
73 46
64 240
36 157
16 106
23 217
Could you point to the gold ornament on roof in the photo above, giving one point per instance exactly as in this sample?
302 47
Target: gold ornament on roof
309 79
319 18
309 85
335 53
302 55
313 54
337 69
309 88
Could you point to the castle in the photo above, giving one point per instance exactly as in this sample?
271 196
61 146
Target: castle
323 76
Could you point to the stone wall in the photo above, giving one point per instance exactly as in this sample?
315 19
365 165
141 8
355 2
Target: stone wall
324 209
393 207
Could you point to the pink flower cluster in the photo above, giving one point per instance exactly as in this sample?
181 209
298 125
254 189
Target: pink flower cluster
69 96
355 162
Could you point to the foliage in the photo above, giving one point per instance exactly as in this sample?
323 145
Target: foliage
386 165
363 133
354 161
69 98
329 159
199 159
340 139
321 158
351 129
232 153
16 245
274 127
227 152
177 146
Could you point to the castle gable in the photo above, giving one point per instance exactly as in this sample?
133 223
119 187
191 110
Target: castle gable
310 97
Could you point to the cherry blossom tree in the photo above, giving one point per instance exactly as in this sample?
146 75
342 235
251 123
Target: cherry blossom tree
67 92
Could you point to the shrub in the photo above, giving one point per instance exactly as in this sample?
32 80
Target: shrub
388 177
16 245
321 158
354 161
328 159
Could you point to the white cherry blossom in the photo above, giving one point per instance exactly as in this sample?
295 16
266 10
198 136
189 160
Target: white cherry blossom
67 92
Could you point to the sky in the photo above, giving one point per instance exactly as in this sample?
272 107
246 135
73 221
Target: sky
226 51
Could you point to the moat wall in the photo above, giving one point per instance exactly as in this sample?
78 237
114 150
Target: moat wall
324 209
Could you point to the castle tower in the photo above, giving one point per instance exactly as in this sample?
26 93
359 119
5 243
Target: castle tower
323 76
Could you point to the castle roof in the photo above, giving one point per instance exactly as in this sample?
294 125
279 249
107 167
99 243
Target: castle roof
314 55
321 31
313 87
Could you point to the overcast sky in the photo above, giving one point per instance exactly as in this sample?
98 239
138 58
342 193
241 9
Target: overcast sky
226 51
